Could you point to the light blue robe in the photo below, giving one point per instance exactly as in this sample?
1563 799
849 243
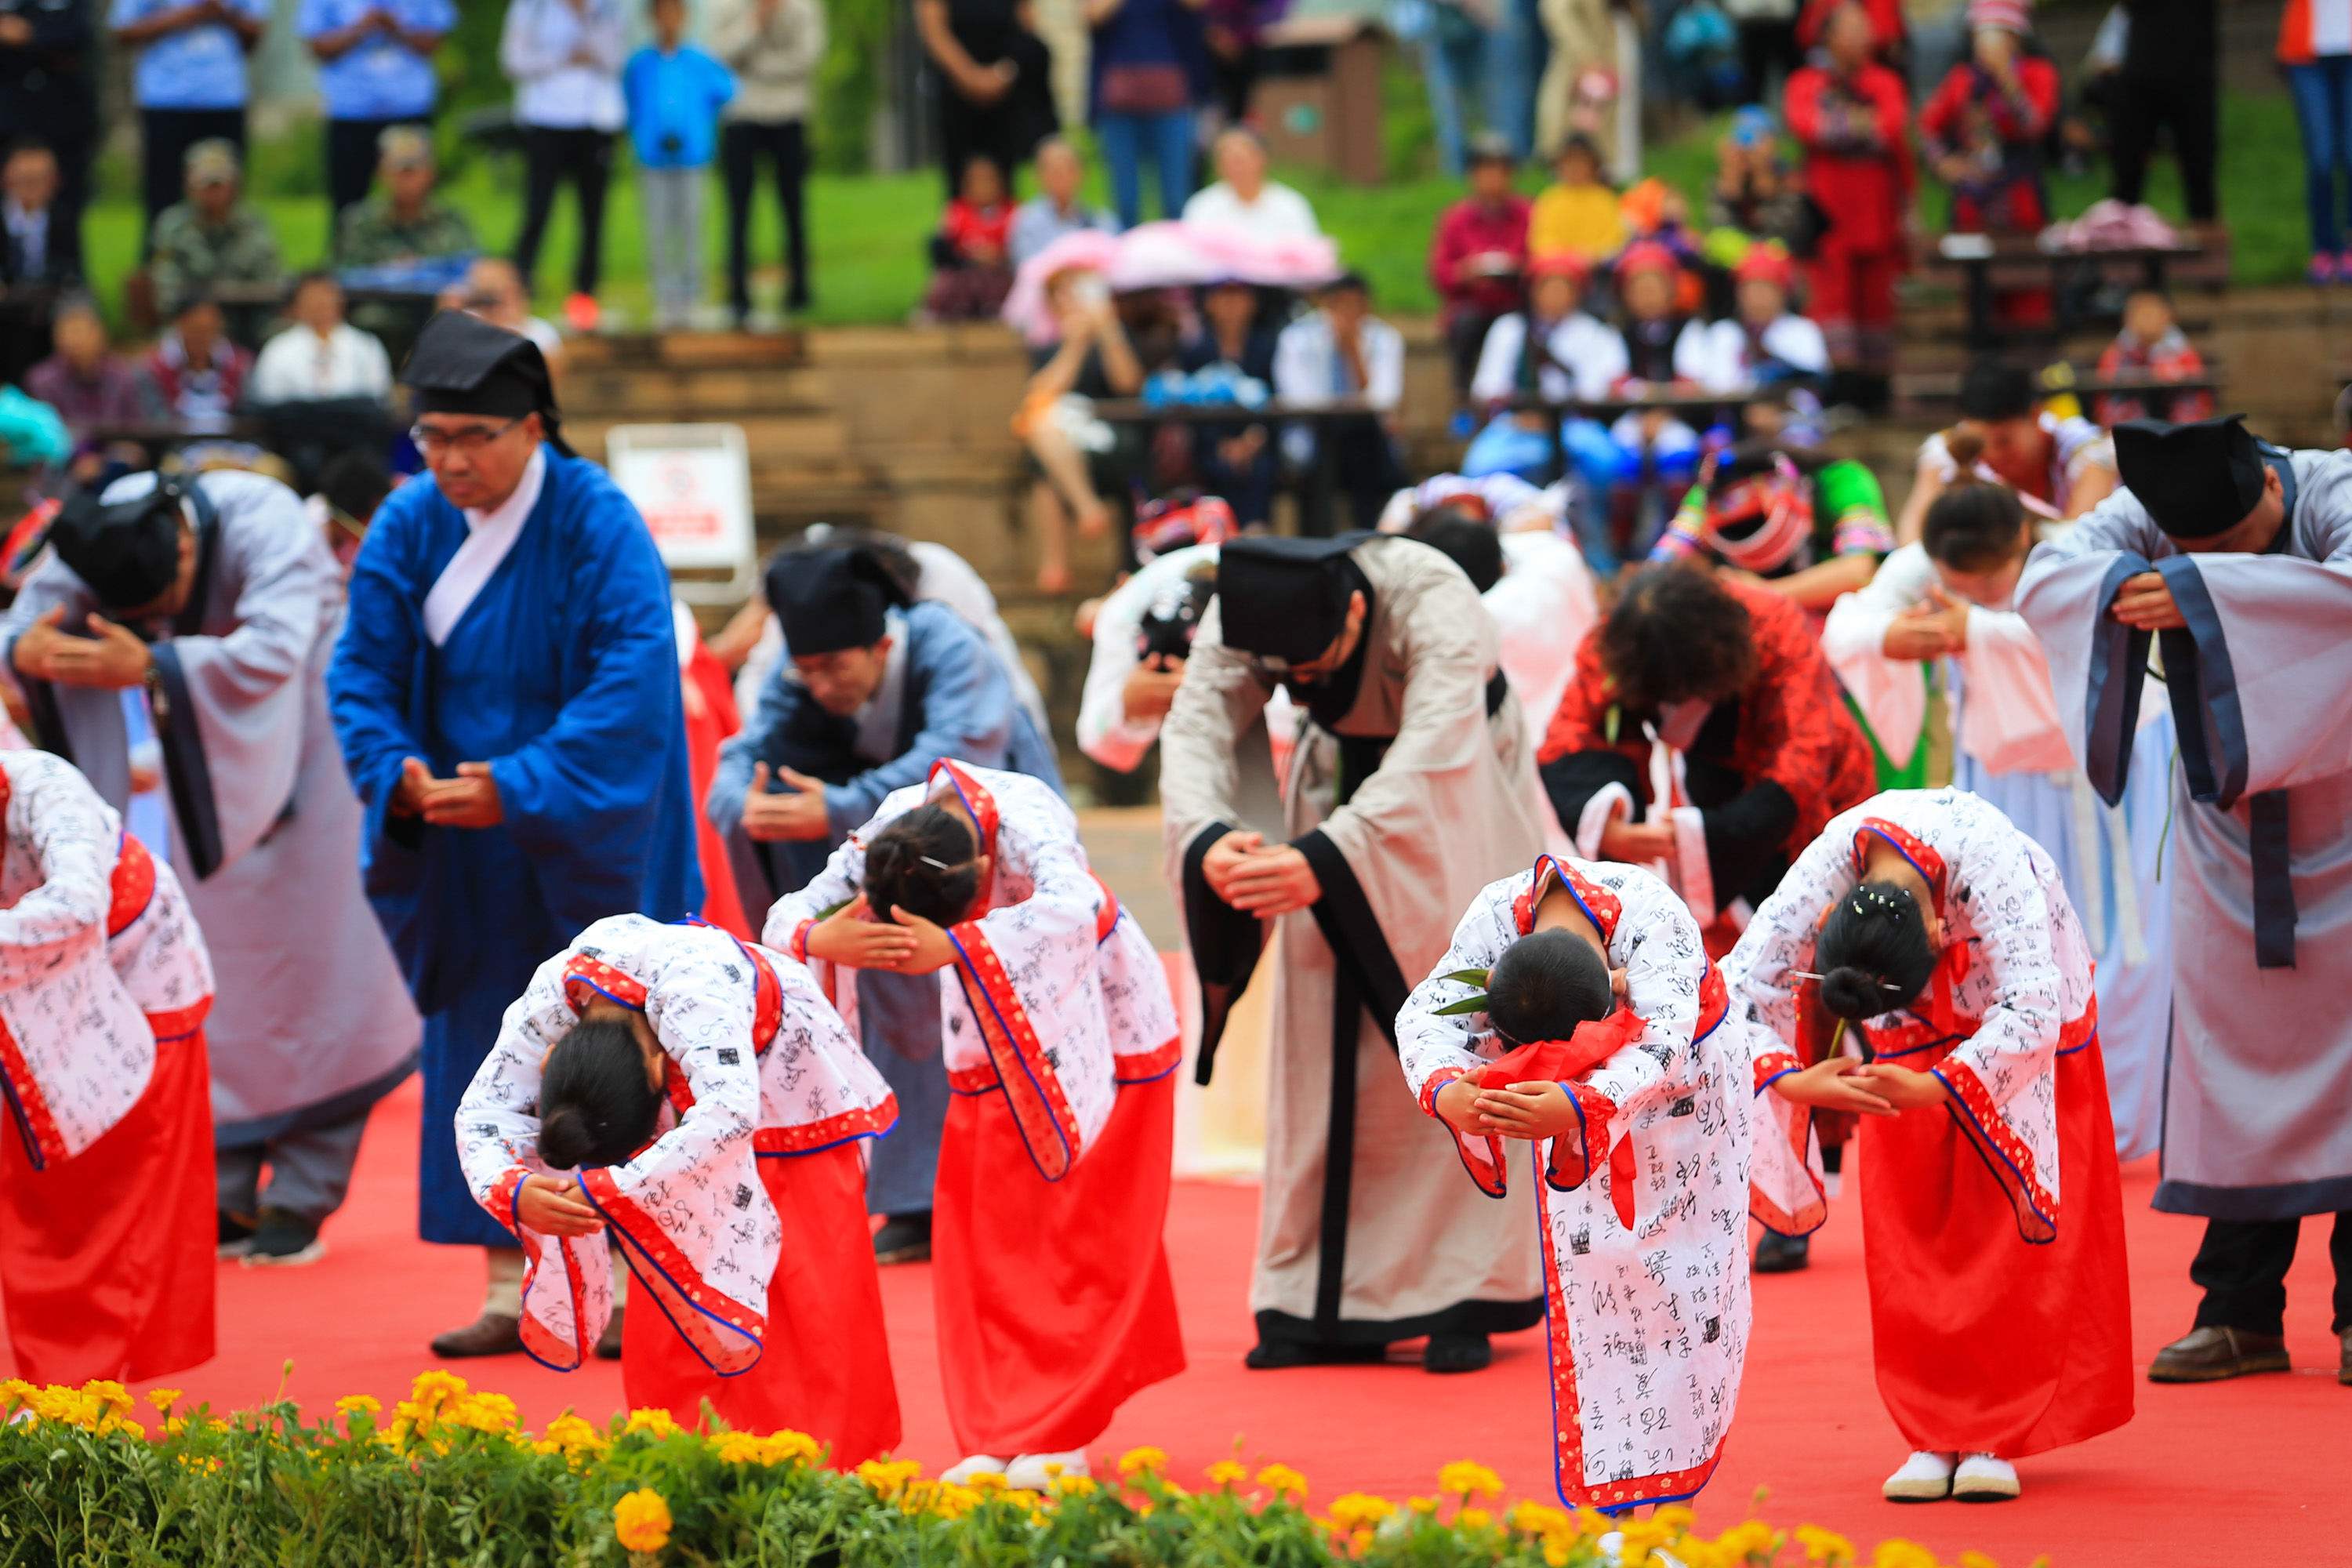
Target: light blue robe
563 675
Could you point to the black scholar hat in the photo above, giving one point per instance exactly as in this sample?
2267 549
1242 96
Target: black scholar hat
828 600
2196 480
1285 598
464 365
129 552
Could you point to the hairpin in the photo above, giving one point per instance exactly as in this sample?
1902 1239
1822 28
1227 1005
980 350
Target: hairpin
935 865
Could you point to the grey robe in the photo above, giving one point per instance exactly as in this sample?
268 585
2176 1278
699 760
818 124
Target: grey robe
2258 1079
312 1023
1366 1232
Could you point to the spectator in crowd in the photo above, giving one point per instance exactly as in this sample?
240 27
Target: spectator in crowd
564 59
492 288
1094 359
675 93
1984 131
48 91
196 375
773 47
1234 461
189 81
1244 200
1235 30
1452 37
1340 350
1057 209
213 237
1148 65
1478 257
969 272
2315 47
995 86
1890 36
38 247
89 385
1754 191
2170 80
322 356
2061 467
1651 318
1763 343
1559 353
401 221
375 71
2152 344
1578 92
1577 214
1848 112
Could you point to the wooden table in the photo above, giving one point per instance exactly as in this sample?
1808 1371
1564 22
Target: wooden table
1977 257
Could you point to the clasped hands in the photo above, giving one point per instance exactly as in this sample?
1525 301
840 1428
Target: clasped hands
2144 603
549 1205
469 800
795 813
113 659
1259 879
1866 1089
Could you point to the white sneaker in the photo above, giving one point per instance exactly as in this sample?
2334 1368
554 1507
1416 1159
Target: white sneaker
961 1474
1983 1479
1038 1472
1925 1477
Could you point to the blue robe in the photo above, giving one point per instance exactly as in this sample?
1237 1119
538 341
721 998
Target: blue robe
563 675
952 698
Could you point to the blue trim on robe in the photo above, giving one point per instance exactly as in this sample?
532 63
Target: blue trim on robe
2118 673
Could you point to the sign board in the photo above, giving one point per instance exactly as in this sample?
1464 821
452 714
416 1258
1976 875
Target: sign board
693 484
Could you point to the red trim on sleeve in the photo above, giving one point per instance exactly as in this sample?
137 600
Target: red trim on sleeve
1040 1108
692 1304
132 887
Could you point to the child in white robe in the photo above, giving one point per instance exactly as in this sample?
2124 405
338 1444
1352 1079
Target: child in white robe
1635 1111
696 1097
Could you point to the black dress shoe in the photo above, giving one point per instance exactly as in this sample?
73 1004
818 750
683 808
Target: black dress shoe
2211 1353
235 1235
1778 1254
1273 1355
608 1344
1457 1353
904 1238
492 1333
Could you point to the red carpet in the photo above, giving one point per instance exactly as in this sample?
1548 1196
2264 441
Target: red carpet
2259 1464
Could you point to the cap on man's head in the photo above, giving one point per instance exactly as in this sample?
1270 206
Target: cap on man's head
2196 480
828 599
212 162
129 552
463 364
1285 598
404 147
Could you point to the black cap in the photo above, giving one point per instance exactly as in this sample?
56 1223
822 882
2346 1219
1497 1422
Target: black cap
128 554
1285 598
828 600
464 365
2197 480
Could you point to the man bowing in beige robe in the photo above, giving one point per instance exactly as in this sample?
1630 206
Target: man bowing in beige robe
1408 792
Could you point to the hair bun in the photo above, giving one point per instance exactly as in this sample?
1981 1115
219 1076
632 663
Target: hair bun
1853 992
565 1139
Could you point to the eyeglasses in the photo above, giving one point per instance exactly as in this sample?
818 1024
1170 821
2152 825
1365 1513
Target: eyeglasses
471 439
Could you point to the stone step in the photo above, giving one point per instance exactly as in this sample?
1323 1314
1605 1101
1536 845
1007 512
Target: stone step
719 393
697 350
768 438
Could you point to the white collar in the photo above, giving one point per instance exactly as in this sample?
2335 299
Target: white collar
489 535
510 512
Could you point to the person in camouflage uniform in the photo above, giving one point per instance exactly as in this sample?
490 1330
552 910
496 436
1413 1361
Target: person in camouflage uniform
399 221
212 238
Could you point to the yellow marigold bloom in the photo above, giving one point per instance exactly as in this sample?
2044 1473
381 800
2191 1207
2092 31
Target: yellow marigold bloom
1073 1485
656 1422
1977 1559
1824 1545
17 1392
1555 1550
889 1477
642 1521
358 1405
1144 1461
951 1502
1422 1504
1474 1519
1360 1511
1282 1481
1466 1479
1020 1496
1537 1518
1753 1540
163 1399
570 1434
429 1391
203 1464
985 1482
1675 1516
1592 1522
1900 1553
740 1449
1227 1474
788 1447
109 1395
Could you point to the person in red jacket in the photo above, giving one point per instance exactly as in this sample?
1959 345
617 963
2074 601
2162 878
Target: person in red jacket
1849 114
1984 131
1478 257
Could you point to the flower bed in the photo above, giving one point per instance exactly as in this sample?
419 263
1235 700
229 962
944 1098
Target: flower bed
447 1476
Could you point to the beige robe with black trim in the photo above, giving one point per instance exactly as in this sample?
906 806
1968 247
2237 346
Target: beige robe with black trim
1386 1242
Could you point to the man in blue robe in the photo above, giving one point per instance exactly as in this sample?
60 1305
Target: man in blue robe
507 696
875 687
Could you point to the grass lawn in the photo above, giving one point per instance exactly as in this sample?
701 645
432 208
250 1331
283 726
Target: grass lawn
868 230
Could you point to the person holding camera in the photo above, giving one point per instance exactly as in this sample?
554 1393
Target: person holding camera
675 93
1143 631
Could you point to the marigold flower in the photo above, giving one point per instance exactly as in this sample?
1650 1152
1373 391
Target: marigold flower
429 1392
1282 1481
163 1399
888 1478
985 1482
642 1521
1900 1553
658 1423
109 1395
1752 1541
1824 1545
1358 1510
1073 1485
1474 1519
1977 1559
1466 1479
358 1405
1227 1474
787 1446
1538 1519
1422 1504
1143 1461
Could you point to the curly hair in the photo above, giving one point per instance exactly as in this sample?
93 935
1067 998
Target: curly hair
1678 634
925 863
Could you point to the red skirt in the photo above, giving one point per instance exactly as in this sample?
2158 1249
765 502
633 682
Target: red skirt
109 1256
1055 1302
826 1368
1986 1343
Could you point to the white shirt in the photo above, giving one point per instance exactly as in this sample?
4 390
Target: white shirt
298 365
489 535
1579 345
1279 213
552 89
1308 370
1715 354
1105 731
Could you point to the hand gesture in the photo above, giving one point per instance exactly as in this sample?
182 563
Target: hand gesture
1917 633
932 951
1833 1085
469 800
112 660
1151 688
38 642
1529 1111
2144 603
1225 860
416 783
1457 1107
853 938
1637 843
550 1207
1901 1087
1272 882
795 813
